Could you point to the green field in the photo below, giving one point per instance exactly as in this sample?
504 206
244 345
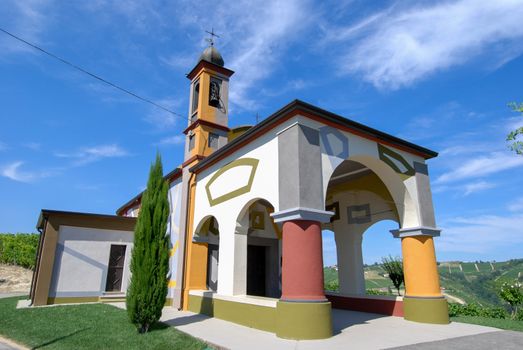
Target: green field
461 280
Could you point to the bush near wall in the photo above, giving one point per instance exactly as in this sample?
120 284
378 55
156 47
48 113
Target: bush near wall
477 310
19 249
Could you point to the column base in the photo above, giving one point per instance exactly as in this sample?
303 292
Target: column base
426 309
303 320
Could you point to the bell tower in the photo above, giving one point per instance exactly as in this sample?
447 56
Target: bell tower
208 105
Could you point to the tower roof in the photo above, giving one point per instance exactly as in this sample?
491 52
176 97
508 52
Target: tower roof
212 55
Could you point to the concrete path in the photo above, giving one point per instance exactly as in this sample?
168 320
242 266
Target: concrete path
355 330
506 340
6 344
13 294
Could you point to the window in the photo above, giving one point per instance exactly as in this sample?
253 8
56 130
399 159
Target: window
192 140
195 96
215 92
212 142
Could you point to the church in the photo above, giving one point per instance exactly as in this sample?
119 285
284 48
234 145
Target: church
247 210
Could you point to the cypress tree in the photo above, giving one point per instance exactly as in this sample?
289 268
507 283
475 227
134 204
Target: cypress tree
150 255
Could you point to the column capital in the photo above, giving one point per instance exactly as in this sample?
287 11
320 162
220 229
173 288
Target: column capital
301 213
416 231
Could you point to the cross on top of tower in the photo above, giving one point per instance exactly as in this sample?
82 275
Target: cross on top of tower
211 39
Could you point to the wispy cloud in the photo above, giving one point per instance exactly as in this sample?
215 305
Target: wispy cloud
516 205
28 19
88 155
477 186
402 45
3 146
481 166
173 140
481 234
161 119
12 171
255 35
35 146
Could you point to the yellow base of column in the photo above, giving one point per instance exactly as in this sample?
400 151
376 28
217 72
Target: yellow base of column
296 320
426 309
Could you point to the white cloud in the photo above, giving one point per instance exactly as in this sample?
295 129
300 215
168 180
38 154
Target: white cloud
477 167
173 140
516 205
12 171
27 19
481 234
91 154
254 36
400 46
477 186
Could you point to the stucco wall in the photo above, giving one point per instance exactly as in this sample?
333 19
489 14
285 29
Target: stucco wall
82 256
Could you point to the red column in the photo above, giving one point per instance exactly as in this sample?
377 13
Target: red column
302 265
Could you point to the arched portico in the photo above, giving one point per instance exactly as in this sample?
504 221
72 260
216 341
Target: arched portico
257 249
363 191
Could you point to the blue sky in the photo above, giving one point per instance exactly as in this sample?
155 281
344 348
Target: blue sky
437 73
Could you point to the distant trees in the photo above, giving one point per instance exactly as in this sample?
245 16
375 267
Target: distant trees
150 255
514 137
394 268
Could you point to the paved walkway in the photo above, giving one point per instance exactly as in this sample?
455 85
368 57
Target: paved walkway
355 330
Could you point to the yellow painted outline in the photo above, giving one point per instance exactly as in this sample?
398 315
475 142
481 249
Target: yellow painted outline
252 162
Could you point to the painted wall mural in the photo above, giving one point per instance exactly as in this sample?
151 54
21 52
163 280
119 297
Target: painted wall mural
395 161
232 180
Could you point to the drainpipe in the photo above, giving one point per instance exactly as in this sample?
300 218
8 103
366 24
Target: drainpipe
185 243
34 278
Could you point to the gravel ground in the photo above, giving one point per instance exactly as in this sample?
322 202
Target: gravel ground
14 279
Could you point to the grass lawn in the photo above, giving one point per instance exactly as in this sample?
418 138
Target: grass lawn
512 325
89 326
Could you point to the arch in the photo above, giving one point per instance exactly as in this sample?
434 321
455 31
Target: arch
405 206
257 242
208 231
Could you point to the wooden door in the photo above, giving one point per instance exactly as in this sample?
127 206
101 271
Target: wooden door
115 268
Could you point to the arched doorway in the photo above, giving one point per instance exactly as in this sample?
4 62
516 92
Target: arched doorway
359 198
208 232
261 240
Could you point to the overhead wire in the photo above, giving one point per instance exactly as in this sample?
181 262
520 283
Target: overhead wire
92 75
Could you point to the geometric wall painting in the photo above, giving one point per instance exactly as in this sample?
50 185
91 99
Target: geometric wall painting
334 207
395 161
358 214
335 143
232 180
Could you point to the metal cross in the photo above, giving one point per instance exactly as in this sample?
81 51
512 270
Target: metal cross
211 39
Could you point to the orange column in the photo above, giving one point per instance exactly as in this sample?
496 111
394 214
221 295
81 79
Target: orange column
302 265
196 256
420 267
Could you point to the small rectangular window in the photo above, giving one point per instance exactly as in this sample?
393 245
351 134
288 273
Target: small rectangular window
195 96
213 140
192 141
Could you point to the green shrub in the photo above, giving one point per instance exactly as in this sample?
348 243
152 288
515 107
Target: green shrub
19 249
376 292
477 310
494 312
332 286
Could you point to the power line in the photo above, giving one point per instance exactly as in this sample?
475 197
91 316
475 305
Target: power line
92 75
